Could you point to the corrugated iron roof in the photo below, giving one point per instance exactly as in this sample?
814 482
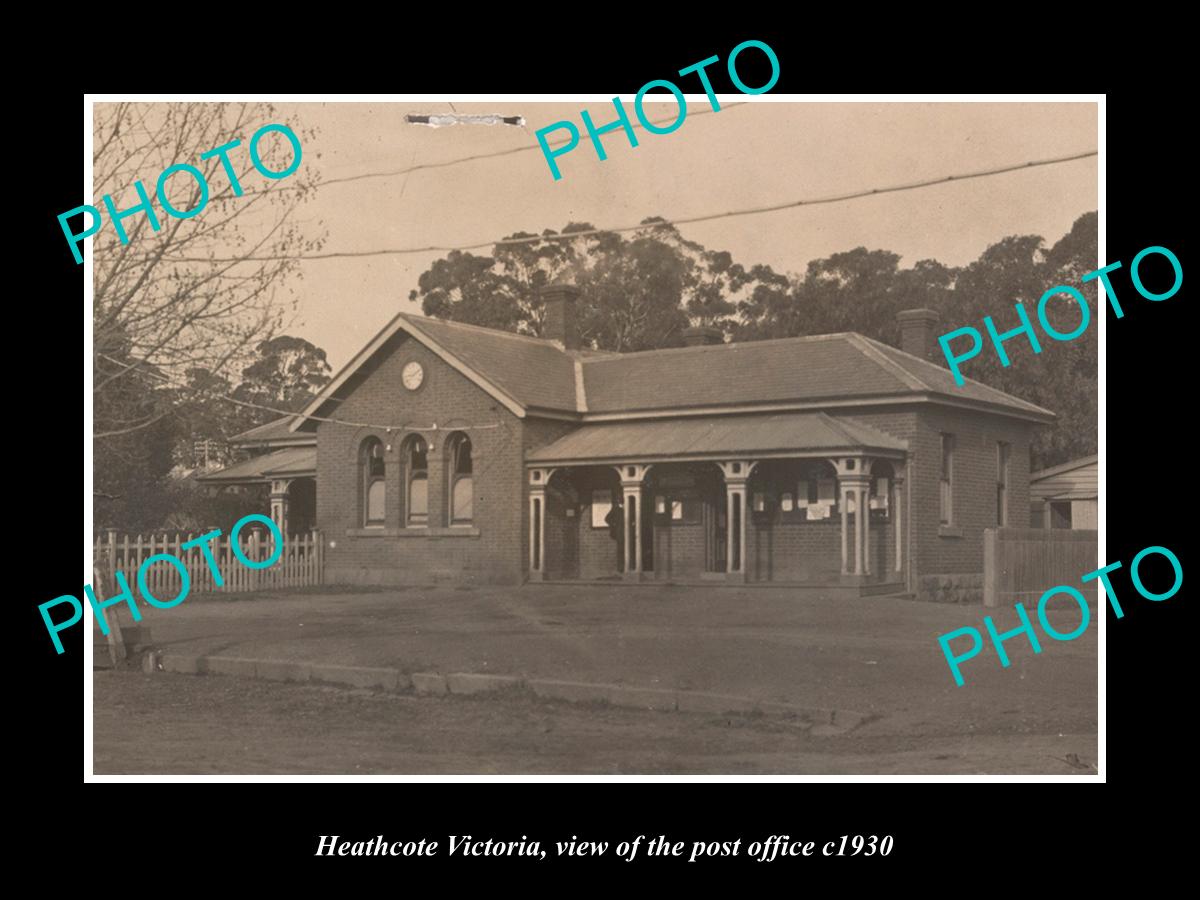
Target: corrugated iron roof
703 436
1061 468
1067 495
754 372
294 462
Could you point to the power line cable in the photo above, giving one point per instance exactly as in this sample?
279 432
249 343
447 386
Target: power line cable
492 155
216 395
792 204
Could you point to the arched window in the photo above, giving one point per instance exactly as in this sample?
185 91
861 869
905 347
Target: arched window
373 467
460 484
416 459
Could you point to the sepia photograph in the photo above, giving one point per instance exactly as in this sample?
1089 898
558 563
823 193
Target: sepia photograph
733 434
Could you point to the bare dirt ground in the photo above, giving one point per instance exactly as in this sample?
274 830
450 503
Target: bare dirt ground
154 724
877 656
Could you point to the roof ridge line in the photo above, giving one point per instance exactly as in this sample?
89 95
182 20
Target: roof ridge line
723 346
863 343
834 424
546 342
580 386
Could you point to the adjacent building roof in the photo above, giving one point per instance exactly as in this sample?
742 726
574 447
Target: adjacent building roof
276 433
704 437
536 376
294 462
1074 480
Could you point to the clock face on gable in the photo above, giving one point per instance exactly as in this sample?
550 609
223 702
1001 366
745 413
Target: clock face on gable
412 375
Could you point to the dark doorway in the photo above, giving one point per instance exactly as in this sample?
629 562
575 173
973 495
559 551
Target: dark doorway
302 506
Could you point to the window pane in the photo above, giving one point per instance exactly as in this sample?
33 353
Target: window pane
825 491
804 493
375 498
677 510
418 499
462 457
373 451
418 455
601 507
463 500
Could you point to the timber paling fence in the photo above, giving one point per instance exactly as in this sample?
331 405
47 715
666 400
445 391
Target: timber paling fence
300 563
1020 564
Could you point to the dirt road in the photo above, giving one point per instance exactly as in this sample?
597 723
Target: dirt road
217 725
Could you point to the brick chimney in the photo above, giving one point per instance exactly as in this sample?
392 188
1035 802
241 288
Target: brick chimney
699 335
559 322
916 331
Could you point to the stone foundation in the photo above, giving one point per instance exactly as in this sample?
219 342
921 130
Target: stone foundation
966 588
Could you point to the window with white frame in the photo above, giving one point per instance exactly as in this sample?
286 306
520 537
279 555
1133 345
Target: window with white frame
416 464
461 487
373 467
946 494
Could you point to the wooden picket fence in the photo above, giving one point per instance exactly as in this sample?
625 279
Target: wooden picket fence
300 564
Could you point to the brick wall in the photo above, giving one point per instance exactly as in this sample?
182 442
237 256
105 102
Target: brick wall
495 548
812 551
974 496
959 548
678 551
488 550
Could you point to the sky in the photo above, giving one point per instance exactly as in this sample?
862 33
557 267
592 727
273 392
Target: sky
748 155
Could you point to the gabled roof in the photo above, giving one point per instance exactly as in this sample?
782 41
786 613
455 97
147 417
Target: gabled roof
535 373
523 373
703 437
536 376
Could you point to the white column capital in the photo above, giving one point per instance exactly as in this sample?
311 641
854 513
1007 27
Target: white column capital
539 477
632 474
737 471
853 467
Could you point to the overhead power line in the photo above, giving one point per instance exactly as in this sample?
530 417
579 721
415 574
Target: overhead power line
216 395
757 210
492 155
